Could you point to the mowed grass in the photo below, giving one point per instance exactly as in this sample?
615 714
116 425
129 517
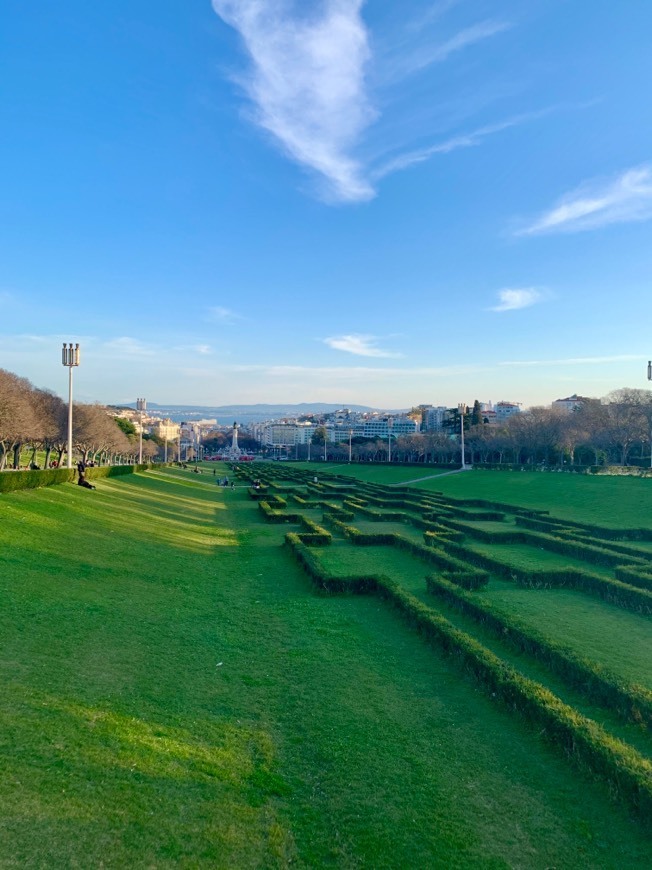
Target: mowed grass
175 693
616 502
367 472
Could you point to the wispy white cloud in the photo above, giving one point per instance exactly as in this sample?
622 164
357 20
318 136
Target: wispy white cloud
464 140
199 349
309 88
360 345
352 373
126 346
429 54
576 361
597 203
307 83
219 314
513 298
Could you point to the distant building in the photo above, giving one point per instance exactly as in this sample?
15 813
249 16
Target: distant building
433 418
167 430
504 410
571 403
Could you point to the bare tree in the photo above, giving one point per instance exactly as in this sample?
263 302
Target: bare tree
18 421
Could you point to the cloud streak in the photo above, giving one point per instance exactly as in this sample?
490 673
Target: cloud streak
360 345
514 298
464 140
597 203
219 314
431 54
576 361
306 83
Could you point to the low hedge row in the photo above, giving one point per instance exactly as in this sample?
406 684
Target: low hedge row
635 576
316 535
603 532
340 512
435 529
12 481
382 516
565 547
627 772
325 581
506 536
633 703
276 516
471 580
612 591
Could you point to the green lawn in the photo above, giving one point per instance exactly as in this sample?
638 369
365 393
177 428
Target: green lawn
368 472
618 502
176 694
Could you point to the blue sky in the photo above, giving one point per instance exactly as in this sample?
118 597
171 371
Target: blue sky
286 200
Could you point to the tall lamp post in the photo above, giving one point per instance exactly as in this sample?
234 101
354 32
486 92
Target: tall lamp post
462 409
325 438
389 441
649 377
141 405
70 358
350 445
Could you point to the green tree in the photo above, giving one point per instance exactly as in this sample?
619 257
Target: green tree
126 425
476 414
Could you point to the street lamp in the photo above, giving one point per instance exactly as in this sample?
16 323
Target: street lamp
389 441
70 358
462 409
141 405
350 438
325 435
649 377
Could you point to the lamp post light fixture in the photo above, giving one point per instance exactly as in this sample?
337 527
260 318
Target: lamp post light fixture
70 358
141 405
462 409
350 446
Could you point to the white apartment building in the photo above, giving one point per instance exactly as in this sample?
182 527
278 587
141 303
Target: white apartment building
433 418
571 403
504 410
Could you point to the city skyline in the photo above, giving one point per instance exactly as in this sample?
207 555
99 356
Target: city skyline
334 201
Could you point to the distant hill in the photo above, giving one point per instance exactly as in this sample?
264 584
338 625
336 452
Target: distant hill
261 408
245 413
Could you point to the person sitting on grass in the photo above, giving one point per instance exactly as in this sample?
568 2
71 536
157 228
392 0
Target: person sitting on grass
83 482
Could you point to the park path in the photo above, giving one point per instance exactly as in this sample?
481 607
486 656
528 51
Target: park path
431 476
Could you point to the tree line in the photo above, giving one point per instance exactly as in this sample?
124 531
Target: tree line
36 420
614 430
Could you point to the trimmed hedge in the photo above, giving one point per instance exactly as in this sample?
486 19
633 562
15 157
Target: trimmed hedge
573 548
275 516
632 702
340 512
627 772
466 579
316 536
322 579
12 481
635 576
612 591
604 532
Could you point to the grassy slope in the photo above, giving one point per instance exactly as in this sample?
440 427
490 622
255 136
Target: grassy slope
619 502
329 734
